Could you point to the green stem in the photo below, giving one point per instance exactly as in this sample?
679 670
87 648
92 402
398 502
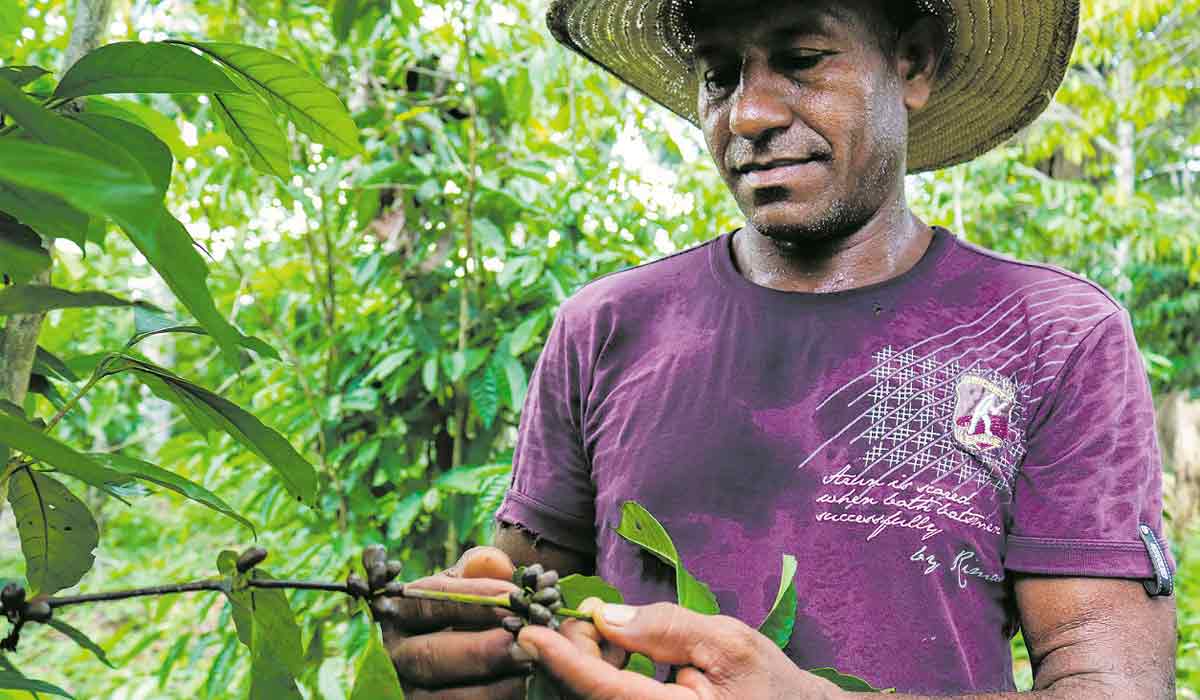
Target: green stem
498 601
91 382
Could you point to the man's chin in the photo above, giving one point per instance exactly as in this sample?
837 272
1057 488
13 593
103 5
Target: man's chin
788 223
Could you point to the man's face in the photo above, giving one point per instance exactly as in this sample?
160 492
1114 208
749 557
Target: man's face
804 112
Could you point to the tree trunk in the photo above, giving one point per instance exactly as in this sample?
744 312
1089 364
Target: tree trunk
21 331
1126 170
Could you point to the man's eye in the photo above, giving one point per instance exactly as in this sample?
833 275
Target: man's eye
803 60
719 79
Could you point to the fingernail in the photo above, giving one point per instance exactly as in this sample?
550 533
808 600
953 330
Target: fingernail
523 653
617 615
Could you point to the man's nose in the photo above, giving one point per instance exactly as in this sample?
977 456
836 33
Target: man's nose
758 103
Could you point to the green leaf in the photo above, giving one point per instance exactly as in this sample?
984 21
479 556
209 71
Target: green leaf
21 253
82 640
20 435
103 179
30 299
169 480
576 589
291 91
782 617
388 365
21 76
50 216
845 682
468 480
133 112
485 395
252 128
404 515
46 363
58 534
265 623
342 16
13 681
514 379
376 676
86 184
641 528
524 334
133 67
541 686
429 374
644 530
151 153
640 663
148 323
274 662
208 411
53 129
12 20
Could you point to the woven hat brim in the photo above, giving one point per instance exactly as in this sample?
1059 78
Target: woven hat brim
1006 61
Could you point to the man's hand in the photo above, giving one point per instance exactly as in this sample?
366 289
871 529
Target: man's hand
445 650
720 657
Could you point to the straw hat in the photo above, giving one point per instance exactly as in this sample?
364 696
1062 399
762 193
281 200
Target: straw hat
1006 58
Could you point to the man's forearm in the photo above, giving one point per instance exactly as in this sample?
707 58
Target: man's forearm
1078 688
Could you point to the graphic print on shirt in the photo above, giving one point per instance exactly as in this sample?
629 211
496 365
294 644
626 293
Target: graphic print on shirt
933 434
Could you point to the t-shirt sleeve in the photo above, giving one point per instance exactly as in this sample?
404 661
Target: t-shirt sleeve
551 494
1092 475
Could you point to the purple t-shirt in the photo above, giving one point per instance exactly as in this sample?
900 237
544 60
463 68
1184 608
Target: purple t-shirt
910 442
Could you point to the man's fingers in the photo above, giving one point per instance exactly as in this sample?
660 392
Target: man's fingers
414 615
455 658
485 562
675 635
588 676
508 689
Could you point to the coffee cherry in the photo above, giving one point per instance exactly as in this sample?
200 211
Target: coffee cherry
393 569
540 615
13 596
251 558
38 611
512 625
547 580
373 554
555 606
547 596
394 589
530 577
358 587
518 603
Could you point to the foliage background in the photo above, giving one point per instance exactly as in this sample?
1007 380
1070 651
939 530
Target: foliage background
409 290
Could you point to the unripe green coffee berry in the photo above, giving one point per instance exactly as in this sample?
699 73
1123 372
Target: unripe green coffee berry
357 587
393 569
540 614
38 611
547 580
547 596
374 554
530 577
394 589
518 603
251 558
13 596
512 625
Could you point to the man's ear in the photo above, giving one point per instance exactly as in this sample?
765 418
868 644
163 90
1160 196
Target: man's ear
919 52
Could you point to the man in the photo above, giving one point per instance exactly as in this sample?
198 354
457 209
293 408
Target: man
951 443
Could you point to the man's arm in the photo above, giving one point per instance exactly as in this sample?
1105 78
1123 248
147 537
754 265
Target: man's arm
1094 638
1089 638
525 548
